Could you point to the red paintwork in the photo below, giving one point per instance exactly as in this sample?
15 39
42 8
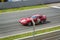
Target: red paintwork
25 21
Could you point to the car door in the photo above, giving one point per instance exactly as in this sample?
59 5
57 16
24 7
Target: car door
37 20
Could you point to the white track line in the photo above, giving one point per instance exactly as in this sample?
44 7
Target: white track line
55 7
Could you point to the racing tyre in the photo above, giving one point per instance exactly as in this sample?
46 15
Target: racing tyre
44 21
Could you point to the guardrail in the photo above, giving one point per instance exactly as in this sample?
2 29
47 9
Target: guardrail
4 5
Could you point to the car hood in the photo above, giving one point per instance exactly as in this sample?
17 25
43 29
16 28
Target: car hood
25 19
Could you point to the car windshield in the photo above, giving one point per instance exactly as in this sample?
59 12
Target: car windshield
34 17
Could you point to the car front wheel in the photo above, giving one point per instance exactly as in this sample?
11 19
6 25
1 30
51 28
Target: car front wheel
30 23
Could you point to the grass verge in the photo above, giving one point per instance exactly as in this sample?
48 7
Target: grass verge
30 33
23 8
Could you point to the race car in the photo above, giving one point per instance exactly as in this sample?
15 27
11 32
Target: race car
37 18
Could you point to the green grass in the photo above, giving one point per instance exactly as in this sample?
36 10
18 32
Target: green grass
23 8
30 33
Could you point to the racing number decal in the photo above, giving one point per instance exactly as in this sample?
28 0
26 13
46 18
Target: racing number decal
38 20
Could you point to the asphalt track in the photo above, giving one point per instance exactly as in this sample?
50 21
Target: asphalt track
56 37
48 36
9 24
52 36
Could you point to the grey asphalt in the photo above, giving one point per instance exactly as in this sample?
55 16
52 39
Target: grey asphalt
9 24
54 36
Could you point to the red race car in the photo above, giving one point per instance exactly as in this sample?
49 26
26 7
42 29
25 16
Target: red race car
37 18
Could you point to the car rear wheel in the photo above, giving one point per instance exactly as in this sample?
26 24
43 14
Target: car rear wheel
44 21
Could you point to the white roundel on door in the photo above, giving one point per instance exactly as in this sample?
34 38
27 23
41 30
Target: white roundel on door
38 20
